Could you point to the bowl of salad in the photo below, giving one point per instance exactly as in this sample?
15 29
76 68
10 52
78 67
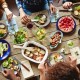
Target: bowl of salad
11 63
41 20
20 37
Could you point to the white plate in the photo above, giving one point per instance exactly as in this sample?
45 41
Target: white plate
36 44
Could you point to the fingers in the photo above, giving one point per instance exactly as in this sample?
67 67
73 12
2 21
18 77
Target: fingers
25 20
52 9
46 66
67 5
5 73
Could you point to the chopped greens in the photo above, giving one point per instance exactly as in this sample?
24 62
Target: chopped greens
20 37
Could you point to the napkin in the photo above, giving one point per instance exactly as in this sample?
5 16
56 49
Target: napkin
75 52
27 74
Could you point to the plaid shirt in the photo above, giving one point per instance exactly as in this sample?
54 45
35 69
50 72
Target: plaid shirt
21 3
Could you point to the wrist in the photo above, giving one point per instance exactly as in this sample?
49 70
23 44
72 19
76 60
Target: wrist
13 77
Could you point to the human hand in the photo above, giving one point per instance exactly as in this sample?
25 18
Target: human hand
10 74
8 14
67 5
71 60
24 18
43 66
52 8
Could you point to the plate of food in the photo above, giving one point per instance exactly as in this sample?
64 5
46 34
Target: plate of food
55 39
3 31
38 54
40 34
54 57
20 37
41 20
76 10
11 63
4 49
66 24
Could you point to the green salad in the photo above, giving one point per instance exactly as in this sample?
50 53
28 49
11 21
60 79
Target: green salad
20 37
10 63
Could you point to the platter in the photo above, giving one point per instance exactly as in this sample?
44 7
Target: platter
37 55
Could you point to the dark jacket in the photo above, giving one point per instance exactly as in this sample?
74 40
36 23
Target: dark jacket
74 1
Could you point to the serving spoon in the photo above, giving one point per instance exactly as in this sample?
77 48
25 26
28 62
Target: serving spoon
21 47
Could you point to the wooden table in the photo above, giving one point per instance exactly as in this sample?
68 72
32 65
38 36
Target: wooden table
49 29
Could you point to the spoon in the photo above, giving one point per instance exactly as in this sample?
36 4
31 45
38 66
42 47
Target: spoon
34 20
20 47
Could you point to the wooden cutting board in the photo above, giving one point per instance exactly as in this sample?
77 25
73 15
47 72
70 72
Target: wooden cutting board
27 74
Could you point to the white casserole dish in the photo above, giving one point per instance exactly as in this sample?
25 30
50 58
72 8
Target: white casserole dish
36 44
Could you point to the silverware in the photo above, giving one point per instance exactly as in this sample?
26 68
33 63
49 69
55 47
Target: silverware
66 10
34 20
24 66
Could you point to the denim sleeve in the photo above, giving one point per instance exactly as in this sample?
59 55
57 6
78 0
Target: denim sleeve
19 3
50 1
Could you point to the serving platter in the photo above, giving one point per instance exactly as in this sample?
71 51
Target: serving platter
38 45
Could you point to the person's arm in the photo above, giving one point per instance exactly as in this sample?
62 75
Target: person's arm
52 7
7 11
10 74
24 18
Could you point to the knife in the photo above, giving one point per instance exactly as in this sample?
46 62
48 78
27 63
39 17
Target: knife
64 10
24 66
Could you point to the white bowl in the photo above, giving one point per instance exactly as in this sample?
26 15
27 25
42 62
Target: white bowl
36 44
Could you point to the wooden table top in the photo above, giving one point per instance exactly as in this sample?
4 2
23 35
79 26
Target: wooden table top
49 29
